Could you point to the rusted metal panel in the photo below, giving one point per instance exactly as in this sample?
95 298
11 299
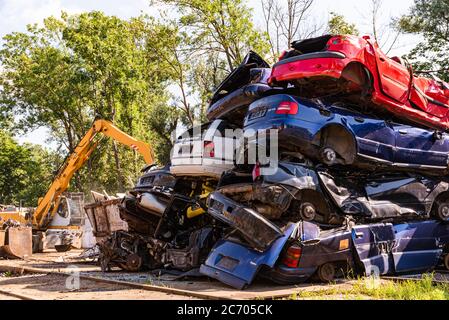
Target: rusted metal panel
18 242
2 237
104 217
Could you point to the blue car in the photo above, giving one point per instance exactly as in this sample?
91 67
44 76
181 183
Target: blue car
334 134
305 252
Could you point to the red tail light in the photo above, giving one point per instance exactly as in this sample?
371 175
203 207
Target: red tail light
209 149
287 107
256 171
292 256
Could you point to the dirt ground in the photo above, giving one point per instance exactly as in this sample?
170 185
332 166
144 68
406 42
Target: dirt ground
50 286
42 279
53 287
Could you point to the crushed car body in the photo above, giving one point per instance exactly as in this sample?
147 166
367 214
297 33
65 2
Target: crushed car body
245 84
333 134
380 249
344 64
295 191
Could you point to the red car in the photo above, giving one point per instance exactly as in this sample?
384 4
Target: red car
345 65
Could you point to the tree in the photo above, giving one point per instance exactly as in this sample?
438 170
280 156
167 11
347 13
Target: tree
287 21
223 26
338 25
429 19
79 67
384 33
25 171
207 41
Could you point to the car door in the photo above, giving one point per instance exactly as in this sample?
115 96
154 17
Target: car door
417 245
399 195
429 95
418 147
394 77
373 245
375 138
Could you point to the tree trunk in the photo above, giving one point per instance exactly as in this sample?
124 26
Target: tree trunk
120 182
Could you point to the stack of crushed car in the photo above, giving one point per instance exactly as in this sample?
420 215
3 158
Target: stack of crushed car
360 181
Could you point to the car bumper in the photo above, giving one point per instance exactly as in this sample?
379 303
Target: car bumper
290 132
286 276
206 170
326 63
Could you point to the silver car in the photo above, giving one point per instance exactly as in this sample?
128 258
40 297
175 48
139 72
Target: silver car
206 150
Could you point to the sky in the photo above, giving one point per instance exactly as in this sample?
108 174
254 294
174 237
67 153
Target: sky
16 14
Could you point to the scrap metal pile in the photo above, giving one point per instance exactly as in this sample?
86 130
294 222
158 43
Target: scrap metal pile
359 182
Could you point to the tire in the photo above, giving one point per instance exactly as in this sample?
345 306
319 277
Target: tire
443 211
326 272
63 248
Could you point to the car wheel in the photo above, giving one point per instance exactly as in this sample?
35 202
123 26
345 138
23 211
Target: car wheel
307 211
326 272
133 263
446 261
328 156
443 211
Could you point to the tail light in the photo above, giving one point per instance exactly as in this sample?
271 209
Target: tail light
256 171
209 149
292 256
287 107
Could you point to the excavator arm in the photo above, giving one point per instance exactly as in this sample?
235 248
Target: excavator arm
48 205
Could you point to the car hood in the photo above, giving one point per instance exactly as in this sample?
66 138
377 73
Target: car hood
237 264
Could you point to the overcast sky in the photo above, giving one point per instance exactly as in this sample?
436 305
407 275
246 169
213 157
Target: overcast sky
16 14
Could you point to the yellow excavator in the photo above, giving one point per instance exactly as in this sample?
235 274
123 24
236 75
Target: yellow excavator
18 239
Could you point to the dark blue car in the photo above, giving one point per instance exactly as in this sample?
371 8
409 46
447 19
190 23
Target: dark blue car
335 134
304 251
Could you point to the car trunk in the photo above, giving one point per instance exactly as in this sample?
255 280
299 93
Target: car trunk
307 46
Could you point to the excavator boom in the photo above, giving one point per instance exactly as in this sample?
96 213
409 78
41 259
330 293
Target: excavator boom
48 205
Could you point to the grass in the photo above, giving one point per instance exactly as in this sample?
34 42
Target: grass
389 290
7 274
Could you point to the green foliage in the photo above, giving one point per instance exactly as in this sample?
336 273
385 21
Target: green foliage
71 69
77 68
25 171
223 26
424 289
338 25
430 19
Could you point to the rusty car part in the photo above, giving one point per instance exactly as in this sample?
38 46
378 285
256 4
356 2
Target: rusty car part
132 252
199 245
15 240
104 217
270 201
